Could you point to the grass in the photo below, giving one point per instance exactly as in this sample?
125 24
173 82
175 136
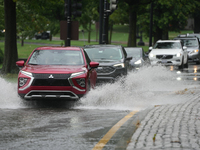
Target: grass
119 36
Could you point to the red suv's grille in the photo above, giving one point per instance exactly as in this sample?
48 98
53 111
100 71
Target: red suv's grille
51 80
47 76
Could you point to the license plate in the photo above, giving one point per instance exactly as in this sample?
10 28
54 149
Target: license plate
164 61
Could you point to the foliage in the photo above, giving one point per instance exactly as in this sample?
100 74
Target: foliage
167 15
39 16
119 16
2 24
89 15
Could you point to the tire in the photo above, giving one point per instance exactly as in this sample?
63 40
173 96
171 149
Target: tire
181 66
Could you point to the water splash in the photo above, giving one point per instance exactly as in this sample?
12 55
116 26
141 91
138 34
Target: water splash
138 90
9 97
146 87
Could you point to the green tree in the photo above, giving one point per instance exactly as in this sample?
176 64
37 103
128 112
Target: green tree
168 16
89 15
31 18
119 16
134 7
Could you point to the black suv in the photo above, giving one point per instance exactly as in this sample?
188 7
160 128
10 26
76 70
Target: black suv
113 61
193 46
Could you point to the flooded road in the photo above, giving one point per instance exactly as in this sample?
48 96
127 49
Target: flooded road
66 125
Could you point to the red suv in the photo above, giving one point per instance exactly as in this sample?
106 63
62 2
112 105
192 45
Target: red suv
56 72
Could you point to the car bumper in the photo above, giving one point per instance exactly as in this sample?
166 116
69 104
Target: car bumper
51 92
194 56
167 62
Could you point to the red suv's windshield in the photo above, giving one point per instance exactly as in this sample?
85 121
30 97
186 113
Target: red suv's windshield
56 57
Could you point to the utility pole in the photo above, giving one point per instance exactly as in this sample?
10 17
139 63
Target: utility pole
68 18
69 27
151 25
105 10
101 12
69 15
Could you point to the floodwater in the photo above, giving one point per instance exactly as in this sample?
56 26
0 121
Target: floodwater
148 86
57 125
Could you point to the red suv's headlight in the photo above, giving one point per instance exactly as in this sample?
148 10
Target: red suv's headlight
81 82
22 81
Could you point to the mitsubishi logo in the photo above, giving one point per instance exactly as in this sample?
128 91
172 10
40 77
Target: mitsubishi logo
51 76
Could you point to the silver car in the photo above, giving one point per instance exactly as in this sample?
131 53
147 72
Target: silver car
193 47
169 52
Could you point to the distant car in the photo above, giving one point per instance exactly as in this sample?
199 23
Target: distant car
194 35
169 52
56 72
139 58
43 35
193 46
113 61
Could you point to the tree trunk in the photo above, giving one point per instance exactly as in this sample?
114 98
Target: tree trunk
165 35
132 27
89 32
196 23
157 34
10 50
22 40
111 30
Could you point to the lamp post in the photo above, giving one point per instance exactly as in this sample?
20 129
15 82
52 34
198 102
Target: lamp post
151 25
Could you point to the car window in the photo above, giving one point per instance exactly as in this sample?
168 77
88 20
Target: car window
104 53
167 45
56 57
190 42
135 53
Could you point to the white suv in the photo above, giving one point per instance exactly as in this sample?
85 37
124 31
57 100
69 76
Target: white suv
169 52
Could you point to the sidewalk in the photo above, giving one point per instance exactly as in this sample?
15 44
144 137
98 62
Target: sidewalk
170 127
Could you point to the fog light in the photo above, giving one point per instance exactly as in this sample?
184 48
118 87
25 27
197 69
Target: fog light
22 81
81 82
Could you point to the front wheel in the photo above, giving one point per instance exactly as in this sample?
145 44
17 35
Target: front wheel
181 66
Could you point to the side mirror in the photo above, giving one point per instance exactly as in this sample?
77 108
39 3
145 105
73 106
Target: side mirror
150 49
129 58
94 64
184 48
20 63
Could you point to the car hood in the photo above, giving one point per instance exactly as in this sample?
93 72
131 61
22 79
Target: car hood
165 51
53 69
108 63
192 48
134 59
